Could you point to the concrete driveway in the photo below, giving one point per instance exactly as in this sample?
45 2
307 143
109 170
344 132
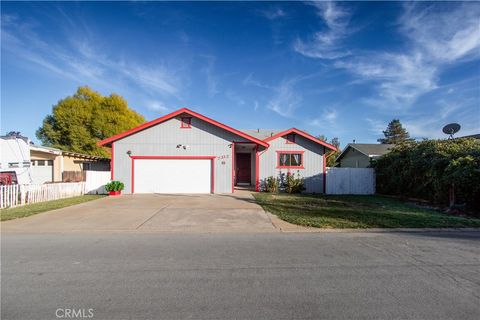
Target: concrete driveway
152 213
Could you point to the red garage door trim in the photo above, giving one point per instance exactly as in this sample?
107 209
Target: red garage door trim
211 158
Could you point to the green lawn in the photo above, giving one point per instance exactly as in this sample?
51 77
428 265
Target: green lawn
356 212
31 209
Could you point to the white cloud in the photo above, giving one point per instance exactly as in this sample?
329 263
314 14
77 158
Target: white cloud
231 95
211 79
286 100
376 126
273 13
436 38
330 115
444 33
157 106
78 60
327 44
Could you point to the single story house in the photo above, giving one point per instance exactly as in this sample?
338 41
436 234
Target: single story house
186 152
23 162
360 155
55 165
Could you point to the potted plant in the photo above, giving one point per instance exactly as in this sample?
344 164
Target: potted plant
114 188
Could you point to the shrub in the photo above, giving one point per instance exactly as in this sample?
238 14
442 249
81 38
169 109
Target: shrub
429 168
271 184
294 184
114 186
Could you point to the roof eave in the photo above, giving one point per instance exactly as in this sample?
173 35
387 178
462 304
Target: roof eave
303 134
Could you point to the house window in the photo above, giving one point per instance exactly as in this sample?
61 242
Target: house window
186 122
40 162
290 138
290 160
49 163
13 165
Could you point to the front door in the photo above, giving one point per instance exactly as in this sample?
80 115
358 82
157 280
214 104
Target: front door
243 168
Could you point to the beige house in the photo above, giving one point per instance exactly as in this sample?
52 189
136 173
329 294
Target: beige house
55 165
360 155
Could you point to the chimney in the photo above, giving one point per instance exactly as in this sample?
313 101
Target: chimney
258 129
353 141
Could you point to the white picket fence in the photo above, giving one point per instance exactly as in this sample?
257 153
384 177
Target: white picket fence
350 181
19 195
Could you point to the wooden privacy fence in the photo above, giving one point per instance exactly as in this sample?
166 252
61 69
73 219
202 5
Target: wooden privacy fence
19 195
350 181
73 176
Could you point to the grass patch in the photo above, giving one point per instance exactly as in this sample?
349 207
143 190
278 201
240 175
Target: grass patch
31 209
323 211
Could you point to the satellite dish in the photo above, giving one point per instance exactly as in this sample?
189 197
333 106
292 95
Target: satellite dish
451 129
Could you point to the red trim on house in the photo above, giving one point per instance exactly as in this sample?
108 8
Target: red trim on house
186 122
212 172
112 163
290 152
233 166
291 140
133 175
211 158
324 171
303 134
149 124
257 168
175 157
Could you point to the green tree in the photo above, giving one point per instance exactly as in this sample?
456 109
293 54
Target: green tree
78 122
395 133
331 156
429 168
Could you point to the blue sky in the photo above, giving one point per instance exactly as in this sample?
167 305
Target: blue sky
343 69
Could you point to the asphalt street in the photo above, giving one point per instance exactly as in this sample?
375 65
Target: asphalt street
431 275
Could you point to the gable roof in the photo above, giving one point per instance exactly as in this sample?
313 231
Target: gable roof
368 149
108 141
303 134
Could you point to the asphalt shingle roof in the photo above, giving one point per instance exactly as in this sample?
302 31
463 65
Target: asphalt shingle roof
370 149
261 133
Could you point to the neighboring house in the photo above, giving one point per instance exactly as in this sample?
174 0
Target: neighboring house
55 165
15 160
474 136
25 163
186 152
360 155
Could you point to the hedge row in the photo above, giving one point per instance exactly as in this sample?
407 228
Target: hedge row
428 169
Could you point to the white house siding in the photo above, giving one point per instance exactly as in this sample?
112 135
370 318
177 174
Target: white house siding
312 162
15 156
203 139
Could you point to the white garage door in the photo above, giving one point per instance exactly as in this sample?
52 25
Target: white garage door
172 176
42 171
